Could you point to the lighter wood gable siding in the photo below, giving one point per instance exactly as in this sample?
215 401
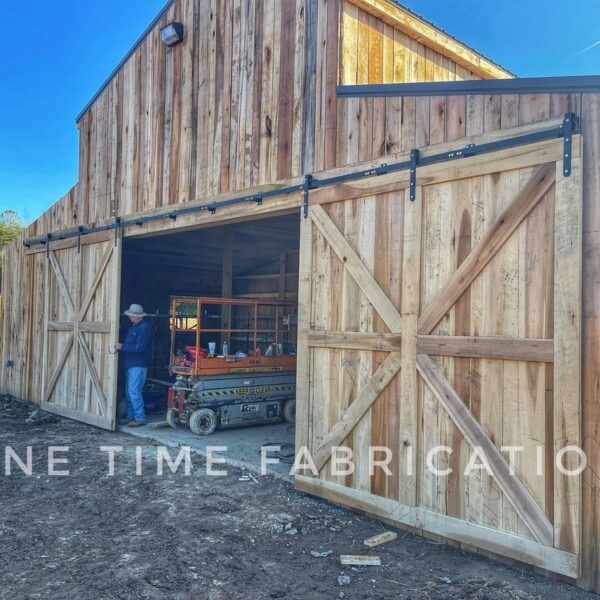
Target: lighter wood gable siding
420 30
374 51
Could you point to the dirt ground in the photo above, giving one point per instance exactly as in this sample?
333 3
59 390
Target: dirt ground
90 535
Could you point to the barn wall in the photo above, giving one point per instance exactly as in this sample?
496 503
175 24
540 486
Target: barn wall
242 101
21 322
145 144
23 281
64 214
220 111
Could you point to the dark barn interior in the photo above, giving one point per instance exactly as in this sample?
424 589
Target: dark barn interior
255 259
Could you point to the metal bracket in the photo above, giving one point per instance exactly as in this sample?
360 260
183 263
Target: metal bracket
79 232
117 225
382 169
212 209
569 126
468 150
172 216
414 159
258 199
47 242
305 190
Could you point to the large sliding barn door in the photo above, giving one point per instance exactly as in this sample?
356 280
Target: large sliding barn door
81 320
447 323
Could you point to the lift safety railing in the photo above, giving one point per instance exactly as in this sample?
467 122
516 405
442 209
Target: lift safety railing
569 126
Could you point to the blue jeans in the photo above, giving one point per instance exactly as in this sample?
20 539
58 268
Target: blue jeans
136 377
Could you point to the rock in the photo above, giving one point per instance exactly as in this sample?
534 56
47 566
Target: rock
292 531
321 554
270 567
32 416
344 580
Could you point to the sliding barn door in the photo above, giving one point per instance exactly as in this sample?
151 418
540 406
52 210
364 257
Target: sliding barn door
446 324
81 322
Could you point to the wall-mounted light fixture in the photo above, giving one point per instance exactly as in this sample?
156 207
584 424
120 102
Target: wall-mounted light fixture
172 33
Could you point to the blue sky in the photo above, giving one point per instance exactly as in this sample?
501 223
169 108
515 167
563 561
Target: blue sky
55 55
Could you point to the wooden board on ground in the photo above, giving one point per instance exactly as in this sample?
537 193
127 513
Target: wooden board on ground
359 560
382 538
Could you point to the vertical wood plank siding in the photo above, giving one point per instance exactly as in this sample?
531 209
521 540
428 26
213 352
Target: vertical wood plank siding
219 112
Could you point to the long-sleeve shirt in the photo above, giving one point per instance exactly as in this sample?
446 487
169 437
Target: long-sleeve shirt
136 350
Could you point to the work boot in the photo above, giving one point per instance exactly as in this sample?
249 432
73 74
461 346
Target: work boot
135 423
124 421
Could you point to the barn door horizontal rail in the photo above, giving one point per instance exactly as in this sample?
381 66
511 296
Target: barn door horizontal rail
565 130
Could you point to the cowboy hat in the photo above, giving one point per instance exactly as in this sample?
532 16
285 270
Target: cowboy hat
135 310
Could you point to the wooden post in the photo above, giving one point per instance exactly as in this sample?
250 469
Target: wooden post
282 274
226 285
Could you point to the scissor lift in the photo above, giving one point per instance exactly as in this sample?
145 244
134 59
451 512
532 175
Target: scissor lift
253 382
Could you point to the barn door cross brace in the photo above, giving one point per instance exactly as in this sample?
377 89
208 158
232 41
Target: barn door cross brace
566 130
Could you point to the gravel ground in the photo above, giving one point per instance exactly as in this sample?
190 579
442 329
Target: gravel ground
92 535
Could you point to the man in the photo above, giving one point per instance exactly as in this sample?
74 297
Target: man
137 354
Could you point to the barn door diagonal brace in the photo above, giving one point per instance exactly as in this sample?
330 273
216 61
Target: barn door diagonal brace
566 130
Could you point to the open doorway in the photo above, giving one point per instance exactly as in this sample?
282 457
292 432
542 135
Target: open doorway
238 285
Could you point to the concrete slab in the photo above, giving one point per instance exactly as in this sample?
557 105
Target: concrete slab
243 443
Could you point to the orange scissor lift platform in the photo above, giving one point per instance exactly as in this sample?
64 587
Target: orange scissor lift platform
265 331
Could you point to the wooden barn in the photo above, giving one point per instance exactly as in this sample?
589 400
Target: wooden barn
436 219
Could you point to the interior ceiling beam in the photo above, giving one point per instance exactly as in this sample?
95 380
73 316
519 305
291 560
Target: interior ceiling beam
280 241
198 255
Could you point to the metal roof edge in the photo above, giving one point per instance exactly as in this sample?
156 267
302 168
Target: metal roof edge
526 85
142 37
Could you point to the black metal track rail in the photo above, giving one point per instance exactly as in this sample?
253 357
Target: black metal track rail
523 85
565 130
